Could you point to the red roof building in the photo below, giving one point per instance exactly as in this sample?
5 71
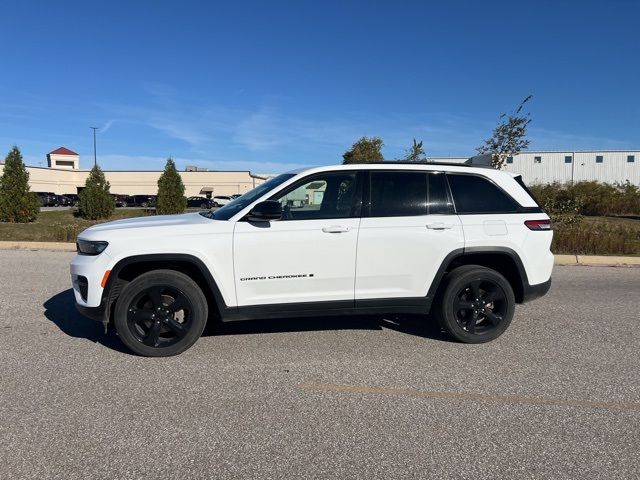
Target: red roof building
63 158
62 151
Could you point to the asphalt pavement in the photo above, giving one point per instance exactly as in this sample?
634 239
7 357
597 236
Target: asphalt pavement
557 396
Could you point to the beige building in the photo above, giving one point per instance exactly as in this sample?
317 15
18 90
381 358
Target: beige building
65 176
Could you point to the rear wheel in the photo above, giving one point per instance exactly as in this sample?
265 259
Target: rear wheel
477 304
161 313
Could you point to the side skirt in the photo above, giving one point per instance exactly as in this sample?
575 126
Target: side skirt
420 305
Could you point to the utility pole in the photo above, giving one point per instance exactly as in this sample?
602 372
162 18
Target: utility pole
95 157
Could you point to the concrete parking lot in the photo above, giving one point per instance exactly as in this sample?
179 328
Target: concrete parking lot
557 396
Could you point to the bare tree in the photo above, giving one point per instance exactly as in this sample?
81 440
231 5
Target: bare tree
509 136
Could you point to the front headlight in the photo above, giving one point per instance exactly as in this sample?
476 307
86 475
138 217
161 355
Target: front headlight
90 247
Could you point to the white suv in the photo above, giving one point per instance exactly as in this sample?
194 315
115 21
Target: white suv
463 242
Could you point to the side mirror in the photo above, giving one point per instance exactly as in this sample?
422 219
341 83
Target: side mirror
265 211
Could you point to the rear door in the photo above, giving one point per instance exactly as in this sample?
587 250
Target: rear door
407 230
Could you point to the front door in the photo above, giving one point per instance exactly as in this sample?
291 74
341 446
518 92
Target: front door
307 256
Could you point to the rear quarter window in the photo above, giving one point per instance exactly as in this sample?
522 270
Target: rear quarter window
476 194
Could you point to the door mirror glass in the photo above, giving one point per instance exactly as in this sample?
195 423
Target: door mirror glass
265 211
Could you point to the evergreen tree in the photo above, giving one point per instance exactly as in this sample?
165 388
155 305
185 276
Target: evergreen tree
365 150
171 197
96 201
17 203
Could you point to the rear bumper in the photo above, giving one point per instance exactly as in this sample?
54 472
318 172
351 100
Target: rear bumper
531 292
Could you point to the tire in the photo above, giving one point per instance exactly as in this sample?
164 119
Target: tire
144 204
147 323
476 304
203 205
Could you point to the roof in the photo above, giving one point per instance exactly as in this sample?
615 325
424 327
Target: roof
62 151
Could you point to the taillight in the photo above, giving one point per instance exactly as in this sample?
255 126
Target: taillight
538 224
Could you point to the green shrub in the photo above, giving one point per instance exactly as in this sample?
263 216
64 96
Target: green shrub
67 232
95 199
17 203
171 197
591 198
601 238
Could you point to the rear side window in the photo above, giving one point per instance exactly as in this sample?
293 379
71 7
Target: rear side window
398 194
408 194
474 194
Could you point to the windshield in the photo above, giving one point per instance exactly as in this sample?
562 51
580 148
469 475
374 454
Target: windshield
233 207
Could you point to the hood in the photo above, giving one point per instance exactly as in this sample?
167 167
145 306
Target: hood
176 224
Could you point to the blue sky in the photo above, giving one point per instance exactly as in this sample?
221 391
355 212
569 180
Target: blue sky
269 86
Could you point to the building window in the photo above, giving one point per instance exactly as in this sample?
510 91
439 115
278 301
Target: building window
509 159
537 159
631 158
64 163
599 159
568 159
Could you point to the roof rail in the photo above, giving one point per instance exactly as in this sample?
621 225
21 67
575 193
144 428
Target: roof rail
479 161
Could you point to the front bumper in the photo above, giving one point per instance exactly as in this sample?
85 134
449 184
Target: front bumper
87 272
94 313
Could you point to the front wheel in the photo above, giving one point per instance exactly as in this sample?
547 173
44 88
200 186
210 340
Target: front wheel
161 313
477 304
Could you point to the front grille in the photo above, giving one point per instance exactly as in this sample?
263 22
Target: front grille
83 286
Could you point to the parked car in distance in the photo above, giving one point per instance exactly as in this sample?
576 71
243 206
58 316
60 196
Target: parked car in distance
199 202
465 242
220 200
141 201
119 200
47 199
235 195
74 198
64 201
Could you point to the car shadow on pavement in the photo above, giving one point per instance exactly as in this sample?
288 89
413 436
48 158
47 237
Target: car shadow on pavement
61 310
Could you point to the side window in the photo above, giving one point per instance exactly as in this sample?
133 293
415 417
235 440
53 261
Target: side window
326 195
438 198
474 194
398 194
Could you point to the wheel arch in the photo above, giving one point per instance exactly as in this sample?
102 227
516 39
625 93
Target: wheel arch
504 260
131 267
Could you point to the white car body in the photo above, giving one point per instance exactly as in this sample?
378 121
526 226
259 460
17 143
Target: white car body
361 261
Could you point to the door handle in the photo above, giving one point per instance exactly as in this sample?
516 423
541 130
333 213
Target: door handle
439 226
335 229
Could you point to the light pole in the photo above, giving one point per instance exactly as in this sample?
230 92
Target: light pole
95 158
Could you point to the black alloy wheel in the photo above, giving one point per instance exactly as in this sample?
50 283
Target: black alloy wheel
161 313
476 305
480 306
159 316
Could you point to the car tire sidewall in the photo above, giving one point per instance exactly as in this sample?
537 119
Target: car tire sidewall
455 281
162 277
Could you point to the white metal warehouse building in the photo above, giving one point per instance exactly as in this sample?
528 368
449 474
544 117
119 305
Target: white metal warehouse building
606 166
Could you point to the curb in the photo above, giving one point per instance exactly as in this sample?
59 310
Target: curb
587 260
597 260
51 246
